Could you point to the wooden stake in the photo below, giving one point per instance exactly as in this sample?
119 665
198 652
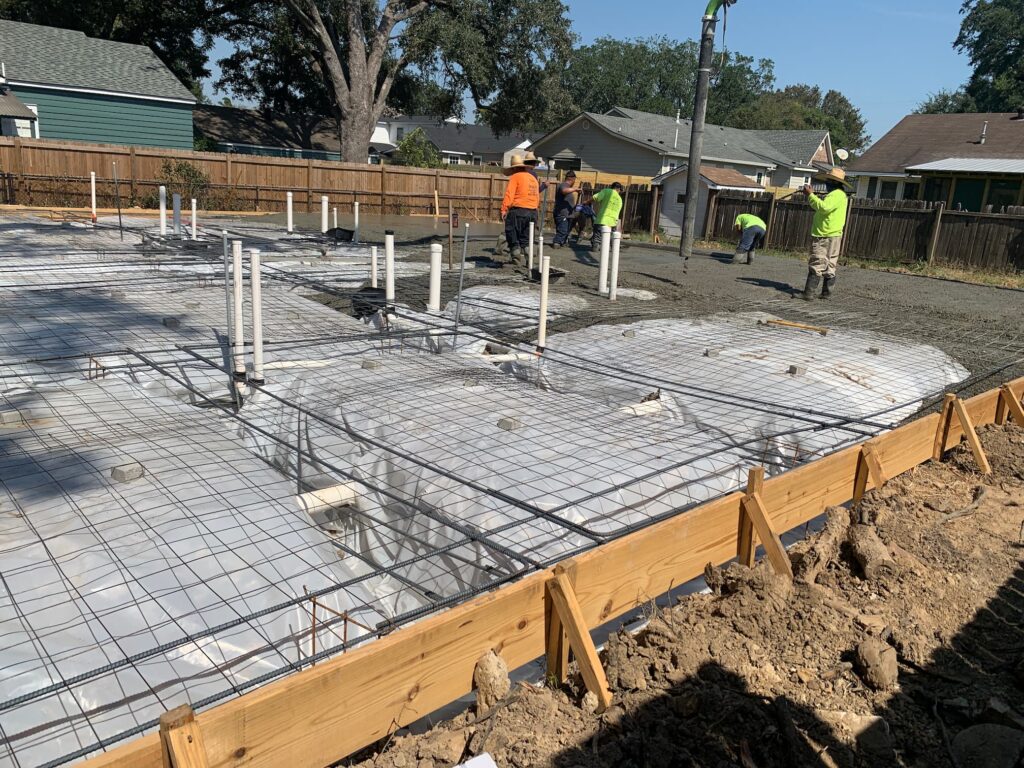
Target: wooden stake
869 464
571 615
747 543
753 505
942 431
972 436
557 642
181 740
1010 402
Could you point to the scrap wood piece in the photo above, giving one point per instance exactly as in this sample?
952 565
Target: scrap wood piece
799 326
571 615
972 436
746 541
181 740
1010 404
869 465
754 506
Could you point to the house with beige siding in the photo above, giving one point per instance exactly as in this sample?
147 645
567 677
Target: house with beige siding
629 142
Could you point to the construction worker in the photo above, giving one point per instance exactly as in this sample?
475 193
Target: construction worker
826 232
519 206
566 195
752 232
607 207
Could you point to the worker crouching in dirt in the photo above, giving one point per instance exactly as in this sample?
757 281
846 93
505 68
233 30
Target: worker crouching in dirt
826 232
519 206
752 233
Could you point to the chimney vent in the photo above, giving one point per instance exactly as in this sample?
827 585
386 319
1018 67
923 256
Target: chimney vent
984 133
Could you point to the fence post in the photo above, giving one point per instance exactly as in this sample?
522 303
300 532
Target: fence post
933 244
131 173
309 186
490 196
19 171
712 212
770 222
383 186
654 209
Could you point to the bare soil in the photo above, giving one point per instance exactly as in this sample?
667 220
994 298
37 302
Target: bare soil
919 664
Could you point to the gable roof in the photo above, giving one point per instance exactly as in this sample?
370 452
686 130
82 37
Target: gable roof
62 58
920 139
721 143
467 139
234 125
715 176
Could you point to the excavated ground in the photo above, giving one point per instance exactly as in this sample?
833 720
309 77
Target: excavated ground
901 643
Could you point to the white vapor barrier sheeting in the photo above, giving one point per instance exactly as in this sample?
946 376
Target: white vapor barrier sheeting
512 308
95 570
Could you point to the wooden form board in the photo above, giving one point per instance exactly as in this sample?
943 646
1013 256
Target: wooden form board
320 715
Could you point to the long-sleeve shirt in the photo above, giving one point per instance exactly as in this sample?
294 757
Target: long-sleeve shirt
829 214
522 191
608 206
745 220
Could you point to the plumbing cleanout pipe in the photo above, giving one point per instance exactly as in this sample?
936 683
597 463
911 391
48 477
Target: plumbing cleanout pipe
92 194
227 314
323 214
542 330
458 296
602 272
613 289
529 252
237 343
335 217
176 213
373 266
291 218
389 266
355 223
163 211
436 254
255 284
195 220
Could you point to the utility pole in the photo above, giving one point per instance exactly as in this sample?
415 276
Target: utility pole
700 108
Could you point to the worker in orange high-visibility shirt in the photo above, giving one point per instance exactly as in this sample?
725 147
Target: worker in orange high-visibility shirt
519 207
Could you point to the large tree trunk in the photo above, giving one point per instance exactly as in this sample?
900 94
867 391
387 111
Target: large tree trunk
355 128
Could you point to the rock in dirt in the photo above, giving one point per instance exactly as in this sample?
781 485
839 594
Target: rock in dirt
590 703
871 554
491 680
825 548
870 734
877 664
988 746
443 747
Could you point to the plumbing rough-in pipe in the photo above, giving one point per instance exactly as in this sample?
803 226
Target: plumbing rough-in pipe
529 252
542 330
434 302
373 266
323 214
256 286
195 220
355 223
389 266
237 343
176 213
616 246
325 499
335 217
227 290
602 271
92 194
163 211
291 218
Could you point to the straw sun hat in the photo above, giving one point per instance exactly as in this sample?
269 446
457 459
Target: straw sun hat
837 175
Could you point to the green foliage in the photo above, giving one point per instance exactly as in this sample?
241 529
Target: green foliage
183 178
992 36
947 102
417 150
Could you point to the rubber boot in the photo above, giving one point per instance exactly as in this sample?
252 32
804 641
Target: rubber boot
811 287
750 257
737 258
826 287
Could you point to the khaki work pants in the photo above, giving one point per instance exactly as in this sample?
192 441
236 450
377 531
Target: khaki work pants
824 255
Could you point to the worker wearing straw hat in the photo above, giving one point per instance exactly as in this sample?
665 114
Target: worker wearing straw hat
826 232
519 206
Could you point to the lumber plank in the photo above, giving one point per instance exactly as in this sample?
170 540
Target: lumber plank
747 543
869 467
798 326
754 506
967 425
568 609
557 642
942 433
181 739
1012 404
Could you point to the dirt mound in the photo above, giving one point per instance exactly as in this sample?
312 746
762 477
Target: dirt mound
900 642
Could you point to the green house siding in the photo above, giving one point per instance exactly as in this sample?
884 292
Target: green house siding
109 119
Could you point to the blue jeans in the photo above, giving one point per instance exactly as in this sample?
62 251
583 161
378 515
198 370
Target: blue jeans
751 238
562 226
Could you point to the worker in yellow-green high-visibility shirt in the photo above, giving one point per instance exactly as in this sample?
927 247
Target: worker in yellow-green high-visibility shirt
752 231
607 209
826 232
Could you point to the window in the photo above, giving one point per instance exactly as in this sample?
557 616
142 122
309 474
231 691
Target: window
399 133
888 190
872 187
672 166
681 198
911 190
477 160
1002 193
760 178
936 190
452 159
25 129
807 179
568 163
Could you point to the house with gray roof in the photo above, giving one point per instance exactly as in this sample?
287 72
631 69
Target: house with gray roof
79 88
629 142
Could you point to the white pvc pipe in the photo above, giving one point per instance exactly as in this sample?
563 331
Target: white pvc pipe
616 246
257 316
176 213
355 225
434 302
542 331
92 193
373 266
389 266
335 218
602 272
326 499
195 220
163 211
227 287
529 251
291 219
323 214
237 343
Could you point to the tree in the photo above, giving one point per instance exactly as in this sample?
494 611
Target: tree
418 150
946 102
178 32
351 56
992 36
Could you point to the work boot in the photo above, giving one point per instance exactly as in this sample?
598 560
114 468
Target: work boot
811 287
750 257
514 254
737 258
826 288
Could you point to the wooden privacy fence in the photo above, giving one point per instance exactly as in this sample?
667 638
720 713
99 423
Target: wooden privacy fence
319 716
38 172
904 231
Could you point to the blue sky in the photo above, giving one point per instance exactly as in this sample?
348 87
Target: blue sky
884 56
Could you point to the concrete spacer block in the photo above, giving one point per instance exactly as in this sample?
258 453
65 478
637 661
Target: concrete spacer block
508 423
629 334
709 352
127 472
11 417
371 365
796 370
172 322
874 351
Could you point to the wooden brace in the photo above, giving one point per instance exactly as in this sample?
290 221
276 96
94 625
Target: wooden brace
953 405
1009 405
869 465
753 506
181 741
747 541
